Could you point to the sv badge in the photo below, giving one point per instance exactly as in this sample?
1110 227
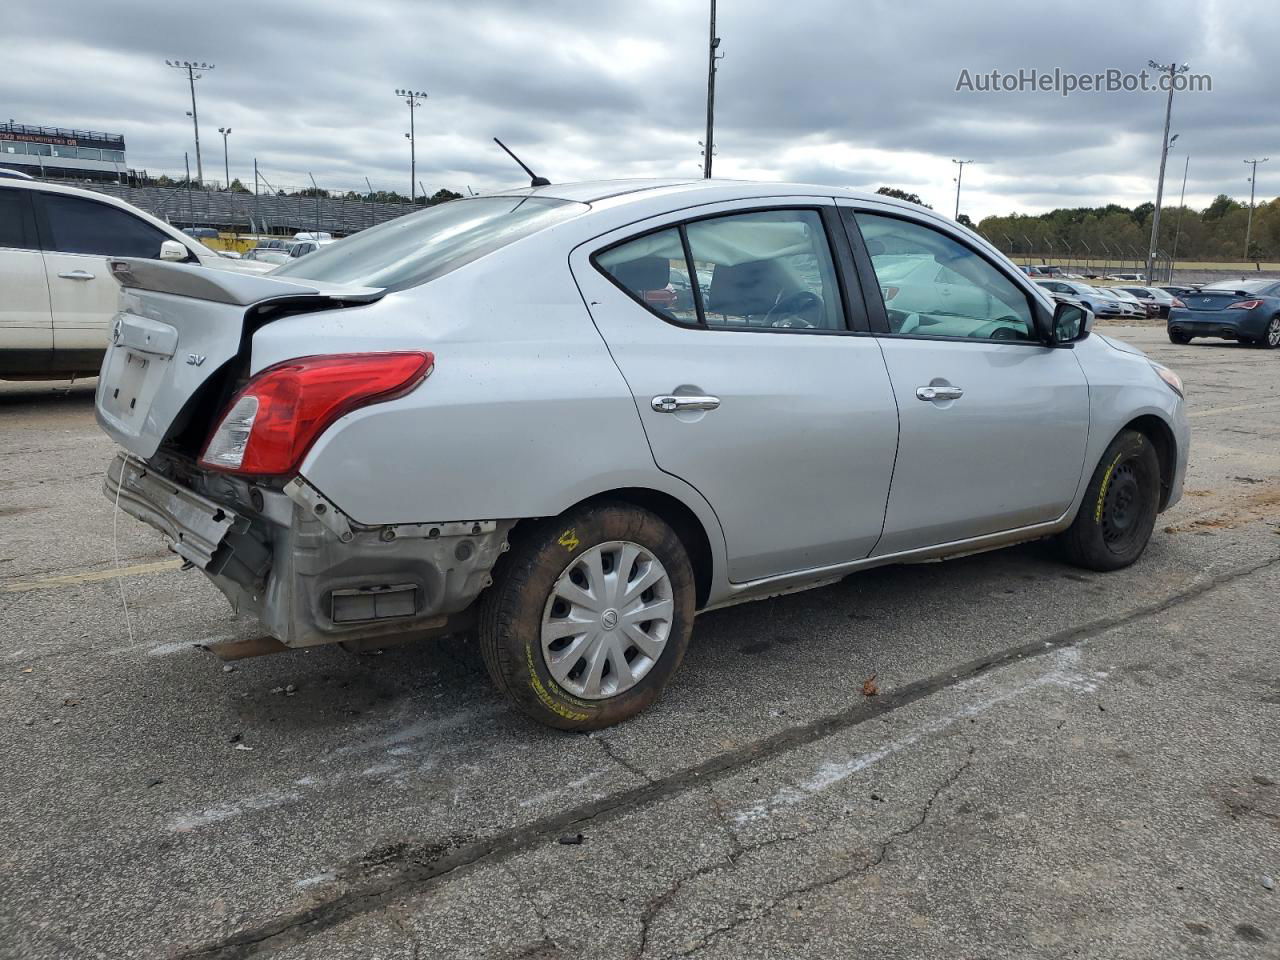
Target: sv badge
195 359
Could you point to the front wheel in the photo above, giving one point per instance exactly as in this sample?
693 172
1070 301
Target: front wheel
589 616
1119 508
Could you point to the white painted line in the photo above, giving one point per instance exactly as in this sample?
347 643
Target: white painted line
92 576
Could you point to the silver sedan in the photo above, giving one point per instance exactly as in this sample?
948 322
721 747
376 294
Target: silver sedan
501 414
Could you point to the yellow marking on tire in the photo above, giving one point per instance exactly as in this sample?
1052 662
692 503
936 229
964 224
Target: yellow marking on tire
1102 491
94 576
544 695
569 539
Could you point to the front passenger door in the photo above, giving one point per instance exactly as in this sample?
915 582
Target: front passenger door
993 422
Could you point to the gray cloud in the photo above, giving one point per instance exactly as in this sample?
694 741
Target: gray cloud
827 92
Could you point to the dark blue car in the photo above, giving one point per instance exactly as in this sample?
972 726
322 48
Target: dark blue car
1243 310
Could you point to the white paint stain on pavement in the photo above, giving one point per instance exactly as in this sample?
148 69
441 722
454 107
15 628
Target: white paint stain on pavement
1064 673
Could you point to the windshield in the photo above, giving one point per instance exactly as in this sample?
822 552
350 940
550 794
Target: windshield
413 249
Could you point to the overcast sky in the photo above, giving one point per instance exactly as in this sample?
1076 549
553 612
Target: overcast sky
857 94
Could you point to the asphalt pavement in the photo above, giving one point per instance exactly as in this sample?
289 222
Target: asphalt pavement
1053 763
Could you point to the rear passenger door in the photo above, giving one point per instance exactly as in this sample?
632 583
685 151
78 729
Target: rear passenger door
78 235
26 324
766 392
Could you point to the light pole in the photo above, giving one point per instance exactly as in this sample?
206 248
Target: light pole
708 148
192 77
411 98
226 164
1182 202
1174 69
959 174
1253 184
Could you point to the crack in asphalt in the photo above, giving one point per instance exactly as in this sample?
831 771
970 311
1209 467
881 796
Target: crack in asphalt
620 760
882 852
416 875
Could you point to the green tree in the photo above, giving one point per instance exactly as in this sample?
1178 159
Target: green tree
1221 206
902 195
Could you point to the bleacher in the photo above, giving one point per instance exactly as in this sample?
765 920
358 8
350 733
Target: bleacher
241 212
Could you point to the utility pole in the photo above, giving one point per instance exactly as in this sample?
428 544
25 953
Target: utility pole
1253 184
708 145
1174 70
226 164
1182 202
959 174
192 77
411 98
257 216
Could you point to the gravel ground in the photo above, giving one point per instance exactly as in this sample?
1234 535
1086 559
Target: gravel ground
1058 763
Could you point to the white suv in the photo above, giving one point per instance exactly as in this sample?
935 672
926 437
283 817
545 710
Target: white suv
58 295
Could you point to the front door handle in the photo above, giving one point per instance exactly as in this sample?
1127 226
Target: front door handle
667 403
76 275
939 393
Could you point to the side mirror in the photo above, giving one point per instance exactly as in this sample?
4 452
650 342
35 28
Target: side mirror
174 251
1070 324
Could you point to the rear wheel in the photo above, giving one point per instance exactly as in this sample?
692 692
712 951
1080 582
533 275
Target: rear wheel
1271 338
1119 508
589 616
1178 337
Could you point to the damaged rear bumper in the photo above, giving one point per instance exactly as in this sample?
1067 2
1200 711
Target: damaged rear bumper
292 559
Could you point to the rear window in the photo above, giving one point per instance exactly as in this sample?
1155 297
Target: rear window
1230 286
413 249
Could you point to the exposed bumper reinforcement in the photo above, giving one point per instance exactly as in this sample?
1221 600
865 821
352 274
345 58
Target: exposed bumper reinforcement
195 525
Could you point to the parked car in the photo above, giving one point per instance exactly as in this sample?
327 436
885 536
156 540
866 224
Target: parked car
303 247
1129 277
268 255
1096 299
474 410
58 295
1142 308
1243 310
15 174
1158 300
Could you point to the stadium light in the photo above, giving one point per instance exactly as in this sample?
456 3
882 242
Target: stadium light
226 165
411 97
192 77
1173 70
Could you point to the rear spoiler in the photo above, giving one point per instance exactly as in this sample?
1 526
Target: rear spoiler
227 286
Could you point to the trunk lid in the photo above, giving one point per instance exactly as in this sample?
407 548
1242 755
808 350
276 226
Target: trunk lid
1214 299
179 330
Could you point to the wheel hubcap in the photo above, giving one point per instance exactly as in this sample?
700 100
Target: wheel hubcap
607 620
1123 506
1273 332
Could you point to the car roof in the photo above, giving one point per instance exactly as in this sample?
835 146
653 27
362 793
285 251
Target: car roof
593 191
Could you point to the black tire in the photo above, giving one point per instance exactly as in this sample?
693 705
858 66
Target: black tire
511 613
1178 338
1119 508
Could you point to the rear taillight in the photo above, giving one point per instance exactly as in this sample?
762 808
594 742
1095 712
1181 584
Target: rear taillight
272 423
1178 303
1245 305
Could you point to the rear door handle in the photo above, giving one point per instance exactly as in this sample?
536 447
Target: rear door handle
671 404
939 393
76 275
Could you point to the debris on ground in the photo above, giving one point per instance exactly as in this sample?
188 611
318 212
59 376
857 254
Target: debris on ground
571 839
869 686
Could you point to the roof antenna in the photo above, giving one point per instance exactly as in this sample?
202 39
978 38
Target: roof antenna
534 179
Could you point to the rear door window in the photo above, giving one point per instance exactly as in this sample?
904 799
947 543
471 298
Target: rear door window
77 225
770 269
